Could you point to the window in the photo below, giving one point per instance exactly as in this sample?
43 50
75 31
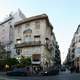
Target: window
77 58
27 31
79 40
37 24
27 37
11 33
77 51
73 50
18 41
18 51
37 38
19 29
73 44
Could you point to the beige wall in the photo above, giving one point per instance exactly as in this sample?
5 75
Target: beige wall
28 51
44 32
41 31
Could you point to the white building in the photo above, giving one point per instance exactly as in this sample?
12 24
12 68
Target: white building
7 31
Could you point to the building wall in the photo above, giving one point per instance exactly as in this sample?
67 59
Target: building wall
45 32
75 49
31 50
32 26
7 33
4 32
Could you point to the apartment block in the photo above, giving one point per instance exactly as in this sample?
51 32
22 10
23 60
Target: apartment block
73 57
7 31
34 38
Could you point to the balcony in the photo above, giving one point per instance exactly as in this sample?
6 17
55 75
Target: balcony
28 44
49 46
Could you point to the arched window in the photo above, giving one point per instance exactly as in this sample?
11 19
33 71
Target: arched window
27 31
27 35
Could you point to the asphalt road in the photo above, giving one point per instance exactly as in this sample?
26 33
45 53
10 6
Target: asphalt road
61 76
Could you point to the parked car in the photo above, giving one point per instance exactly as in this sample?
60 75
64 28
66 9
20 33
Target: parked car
50 72
19 72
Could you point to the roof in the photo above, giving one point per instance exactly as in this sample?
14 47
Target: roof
38 17
6 20
12 15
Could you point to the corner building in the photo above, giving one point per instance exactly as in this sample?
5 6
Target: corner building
34 38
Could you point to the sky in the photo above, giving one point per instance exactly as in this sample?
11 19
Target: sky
64 15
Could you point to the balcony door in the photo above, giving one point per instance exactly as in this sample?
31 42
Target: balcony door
27 35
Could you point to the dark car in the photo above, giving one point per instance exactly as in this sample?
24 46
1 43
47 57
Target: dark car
63 69
50 72
17 72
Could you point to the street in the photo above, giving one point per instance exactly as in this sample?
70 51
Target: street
61 76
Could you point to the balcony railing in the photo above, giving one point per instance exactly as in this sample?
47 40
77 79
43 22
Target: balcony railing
28 44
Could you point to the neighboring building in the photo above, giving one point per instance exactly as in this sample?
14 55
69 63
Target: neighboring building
3 54
34 37
7 32
73 57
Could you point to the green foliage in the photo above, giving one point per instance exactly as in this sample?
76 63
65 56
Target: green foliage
12 61
25 61
2 62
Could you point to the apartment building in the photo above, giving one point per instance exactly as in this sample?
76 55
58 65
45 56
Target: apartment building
34 38
7 32
73 57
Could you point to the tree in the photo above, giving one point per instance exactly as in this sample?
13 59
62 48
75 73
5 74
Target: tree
12 61
3 53
25 61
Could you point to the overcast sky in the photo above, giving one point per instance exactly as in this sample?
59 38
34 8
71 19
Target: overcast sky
63 14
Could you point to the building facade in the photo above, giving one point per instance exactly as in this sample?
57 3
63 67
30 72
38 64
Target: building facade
73 57
34 38
7 31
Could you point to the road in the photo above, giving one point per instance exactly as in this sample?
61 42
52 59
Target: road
61 76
